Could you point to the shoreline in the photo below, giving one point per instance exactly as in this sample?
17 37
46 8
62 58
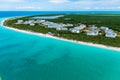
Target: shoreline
58 38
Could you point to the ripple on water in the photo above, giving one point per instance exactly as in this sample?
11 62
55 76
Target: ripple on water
28 57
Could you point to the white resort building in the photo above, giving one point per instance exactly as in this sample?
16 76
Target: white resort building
93 31
74 30
110 33
104 28
32 24
77 29
62 28
19 21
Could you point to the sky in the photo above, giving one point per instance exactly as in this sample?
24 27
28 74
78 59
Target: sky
59 5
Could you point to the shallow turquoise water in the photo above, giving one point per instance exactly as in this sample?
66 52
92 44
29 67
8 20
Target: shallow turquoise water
29 57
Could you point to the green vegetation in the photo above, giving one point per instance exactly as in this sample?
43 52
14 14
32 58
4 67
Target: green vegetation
111 21
0 78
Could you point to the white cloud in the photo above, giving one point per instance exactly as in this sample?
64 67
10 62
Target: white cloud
11 0
118 7
28 7
58 1
59 5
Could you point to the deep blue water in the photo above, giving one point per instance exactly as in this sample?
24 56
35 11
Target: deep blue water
23 13
29 57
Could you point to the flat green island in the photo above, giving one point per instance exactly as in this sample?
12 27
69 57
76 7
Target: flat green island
94 28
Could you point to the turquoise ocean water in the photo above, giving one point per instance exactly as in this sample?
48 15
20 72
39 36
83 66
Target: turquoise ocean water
29 57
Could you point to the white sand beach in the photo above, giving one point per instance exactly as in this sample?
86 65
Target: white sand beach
74 41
